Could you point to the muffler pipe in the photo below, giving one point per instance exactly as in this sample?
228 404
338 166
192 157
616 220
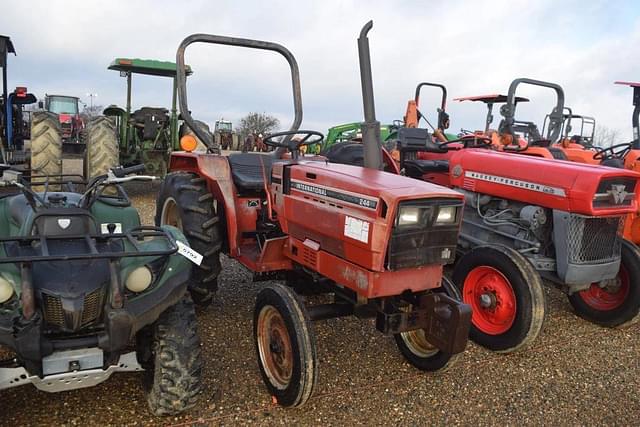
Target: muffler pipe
370 127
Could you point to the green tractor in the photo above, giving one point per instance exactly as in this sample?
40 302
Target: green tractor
144 136
87 291
225 137
347 132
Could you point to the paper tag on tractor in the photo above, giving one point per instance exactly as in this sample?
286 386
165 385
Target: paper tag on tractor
189 253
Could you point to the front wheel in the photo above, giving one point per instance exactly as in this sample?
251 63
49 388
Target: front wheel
506 295
616 301
418 351
285 344
173 366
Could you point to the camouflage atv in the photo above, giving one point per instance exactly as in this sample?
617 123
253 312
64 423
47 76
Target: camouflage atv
86 291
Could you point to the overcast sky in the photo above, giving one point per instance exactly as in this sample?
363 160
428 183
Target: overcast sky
472 47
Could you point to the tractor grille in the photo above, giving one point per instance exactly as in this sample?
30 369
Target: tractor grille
55 315
593 239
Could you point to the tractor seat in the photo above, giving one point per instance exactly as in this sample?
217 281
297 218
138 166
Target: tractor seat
613 163
247 170
415 168
558 153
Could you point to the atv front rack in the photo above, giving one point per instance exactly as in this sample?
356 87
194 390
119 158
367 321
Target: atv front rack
99 246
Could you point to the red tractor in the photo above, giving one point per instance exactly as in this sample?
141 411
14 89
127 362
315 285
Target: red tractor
528 218
71 124
375 241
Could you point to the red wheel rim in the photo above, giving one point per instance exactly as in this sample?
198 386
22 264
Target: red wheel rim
609 297
492 299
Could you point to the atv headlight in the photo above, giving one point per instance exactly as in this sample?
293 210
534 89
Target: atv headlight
139 279
6 290
446 215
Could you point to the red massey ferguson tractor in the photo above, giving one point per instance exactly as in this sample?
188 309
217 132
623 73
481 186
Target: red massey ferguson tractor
376 241
528 218
71 124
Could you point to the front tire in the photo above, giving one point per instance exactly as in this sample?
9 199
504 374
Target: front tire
618 301
506 295
285 344
185 203
46 145
417 350
174 371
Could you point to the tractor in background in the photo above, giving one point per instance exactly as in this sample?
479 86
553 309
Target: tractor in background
224 135
376 242
71 124
145 136
43 156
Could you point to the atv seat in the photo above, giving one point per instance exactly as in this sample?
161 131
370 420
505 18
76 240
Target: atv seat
248 172
415 168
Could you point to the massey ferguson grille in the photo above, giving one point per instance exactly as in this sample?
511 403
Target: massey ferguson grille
593 239
55 315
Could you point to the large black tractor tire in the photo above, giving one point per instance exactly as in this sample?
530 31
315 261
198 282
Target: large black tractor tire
102 151
506 295
618 302
185 202
417 350
173 370
46 145
285 344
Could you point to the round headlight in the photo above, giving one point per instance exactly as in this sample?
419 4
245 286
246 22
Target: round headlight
139 279
6 290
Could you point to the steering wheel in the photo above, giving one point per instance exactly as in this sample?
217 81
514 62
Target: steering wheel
478 141
618 151
291 144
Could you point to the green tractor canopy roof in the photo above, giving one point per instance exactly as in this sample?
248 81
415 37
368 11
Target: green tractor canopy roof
146 66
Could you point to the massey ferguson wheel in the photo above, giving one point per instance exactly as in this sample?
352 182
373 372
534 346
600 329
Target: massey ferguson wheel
613 302
506 295
102 152
173 362
46 145
285 344
418 351
186 203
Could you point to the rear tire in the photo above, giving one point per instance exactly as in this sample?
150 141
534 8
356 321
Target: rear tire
46 144
174 372
185 202
102 151
617 303
417 350
506 295
285 344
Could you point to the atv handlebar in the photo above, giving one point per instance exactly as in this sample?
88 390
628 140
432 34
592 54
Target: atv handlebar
121 172
181 78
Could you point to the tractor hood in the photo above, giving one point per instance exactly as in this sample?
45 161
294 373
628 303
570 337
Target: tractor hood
555 184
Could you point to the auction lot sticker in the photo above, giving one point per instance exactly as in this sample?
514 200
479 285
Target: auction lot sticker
356 229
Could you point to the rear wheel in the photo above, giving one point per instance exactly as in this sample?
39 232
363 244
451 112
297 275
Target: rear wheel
173 370
285 344
418 351
102 151
506 295
613 302
185 203
46 144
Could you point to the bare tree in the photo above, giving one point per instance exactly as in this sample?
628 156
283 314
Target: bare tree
90 112
257 123
606 137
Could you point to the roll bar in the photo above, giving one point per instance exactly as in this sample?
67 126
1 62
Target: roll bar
239 42
443 101
555 118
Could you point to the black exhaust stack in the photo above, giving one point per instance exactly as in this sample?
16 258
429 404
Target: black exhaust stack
370 127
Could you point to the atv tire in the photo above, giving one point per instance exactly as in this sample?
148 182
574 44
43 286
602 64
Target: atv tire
417 350
506 295
46 144
185 202
102 151
173 375
616 306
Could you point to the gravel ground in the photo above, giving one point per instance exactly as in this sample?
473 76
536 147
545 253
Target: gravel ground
576 374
